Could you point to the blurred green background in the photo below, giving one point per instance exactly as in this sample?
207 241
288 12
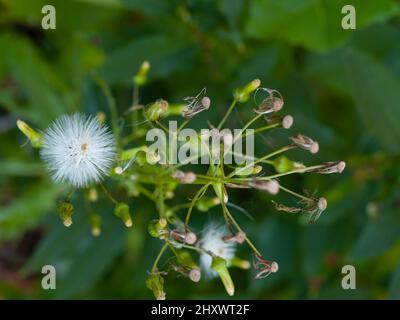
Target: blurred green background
341 86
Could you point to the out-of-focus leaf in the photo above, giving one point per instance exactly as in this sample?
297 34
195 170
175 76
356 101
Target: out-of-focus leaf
32 97
394 289
379 235
373 87
20 168
26 211
79 258
313 24
377 96
164 54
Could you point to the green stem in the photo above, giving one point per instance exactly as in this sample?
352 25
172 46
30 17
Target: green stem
108 194
154 269
252 246
198 194
227 113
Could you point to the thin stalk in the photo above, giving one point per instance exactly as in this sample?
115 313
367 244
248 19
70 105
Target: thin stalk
154 268
227 113
198 194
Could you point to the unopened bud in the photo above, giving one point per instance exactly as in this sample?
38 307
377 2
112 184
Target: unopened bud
34 137
95 221
287 122
322 204
141 77
66 210
332 167
184 177
187 237
270 186
195 275
243 94
92 195
118 170
240 237
240 263
155 282
219 265
122 211
154 111
306 143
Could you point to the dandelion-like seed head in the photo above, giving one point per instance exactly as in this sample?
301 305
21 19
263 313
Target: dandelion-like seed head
213 241
77 149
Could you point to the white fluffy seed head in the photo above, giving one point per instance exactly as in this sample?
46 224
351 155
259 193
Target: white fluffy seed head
77 149
213 240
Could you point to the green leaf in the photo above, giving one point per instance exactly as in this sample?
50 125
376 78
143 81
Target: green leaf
27 210
164 53
376 92
394 289
79 258
313 24
378 235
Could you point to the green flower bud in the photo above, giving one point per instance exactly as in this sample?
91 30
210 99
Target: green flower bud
240 263
95 222
155 282
34 137
122 211
283 164
154 111
66 210
140 78
243 94
219 265
247 170
156 227
206 203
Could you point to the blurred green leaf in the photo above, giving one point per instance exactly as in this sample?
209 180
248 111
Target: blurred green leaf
394 289
27 210
378 235
79 258
313 24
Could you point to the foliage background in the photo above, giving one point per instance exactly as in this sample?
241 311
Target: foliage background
342 86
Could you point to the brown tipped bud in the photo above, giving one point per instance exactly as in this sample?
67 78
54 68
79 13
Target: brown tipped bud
227 138
273 103
332 167
194 275
287 122
118 170
206 102
240 237
184 177
186 237
196 105
305 143
322 204
274 267
265 267
271 186
190 238
314 148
